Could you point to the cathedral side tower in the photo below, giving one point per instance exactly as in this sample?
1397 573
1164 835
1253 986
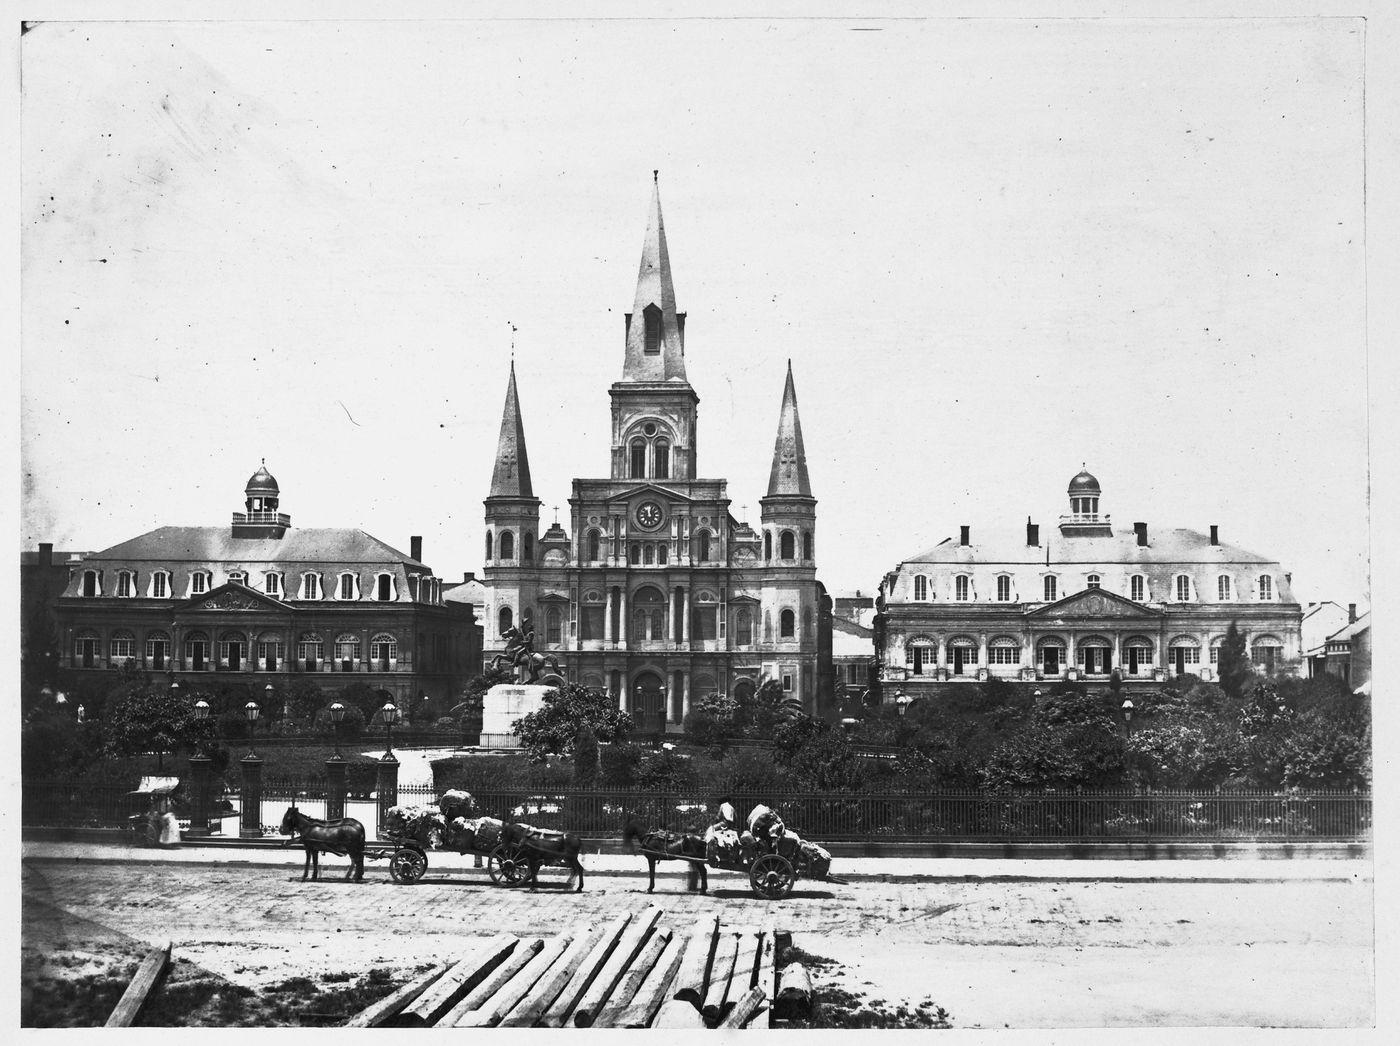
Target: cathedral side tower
512 528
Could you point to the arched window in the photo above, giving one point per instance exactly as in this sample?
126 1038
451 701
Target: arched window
196 651
1051 588
743 628
1268 652
553 626
309 650
661 554
651 316
528 543
595 545
921 655
787 624
767 545
505 619
1266 587
349 587
1216 642
807 544
649 615
1004 650
272 583
347 651
635 554
123 647
311 586
648 554
1004 589
702 546
488 544
126 584
962 654
1093 581
662 456
384 651
1183 588
507 545
787 548
1137 656
639 459
90 584
1222 588
157 649
920 587
269 651
1137 588
961 588
1183 654
160 584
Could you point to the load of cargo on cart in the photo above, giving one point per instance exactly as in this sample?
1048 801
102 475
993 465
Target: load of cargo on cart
513 851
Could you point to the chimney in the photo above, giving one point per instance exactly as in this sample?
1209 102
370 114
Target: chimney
1214 534
415 547
1032 532
1140 529
46 553
966 532
468 575
1351 613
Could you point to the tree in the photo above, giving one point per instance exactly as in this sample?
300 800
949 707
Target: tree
770 705
711 721
1234 669
152 718
555 727
585 756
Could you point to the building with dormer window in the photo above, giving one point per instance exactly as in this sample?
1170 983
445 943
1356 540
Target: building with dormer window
1085 600
657 593
262 602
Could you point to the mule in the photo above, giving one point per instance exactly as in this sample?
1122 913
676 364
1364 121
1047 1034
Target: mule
346 836
661 845
538 847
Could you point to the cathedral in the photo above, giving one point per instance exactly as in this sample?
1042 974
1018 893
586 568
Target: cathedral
657 594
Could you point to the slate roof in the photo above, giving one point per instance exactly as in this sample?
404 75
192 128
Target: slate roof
218 545
1165 545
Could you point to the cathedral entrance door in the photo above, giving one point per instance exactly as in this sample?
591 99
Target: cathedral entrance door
649 701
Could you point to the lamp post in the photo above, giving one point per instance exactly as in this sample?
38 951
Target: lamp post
251 820
199 775
901 700
335 769
1128 715
250 713
337 717
388 766
390 714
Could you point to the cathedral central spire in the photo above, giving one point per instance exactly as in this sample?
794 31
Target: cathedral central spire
655 331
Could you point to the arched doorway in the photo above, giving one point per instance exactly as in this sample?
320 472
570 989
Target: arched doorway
743 692
649 701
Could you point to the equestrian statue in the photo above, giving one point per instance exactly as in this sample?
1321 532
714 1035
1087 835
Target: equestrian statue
520 654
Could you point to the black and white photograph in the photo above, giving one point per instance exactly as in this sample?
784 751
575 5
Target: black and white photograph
702 517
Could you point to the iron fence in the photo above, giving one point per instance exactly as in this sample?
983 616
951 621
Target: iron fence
1021 816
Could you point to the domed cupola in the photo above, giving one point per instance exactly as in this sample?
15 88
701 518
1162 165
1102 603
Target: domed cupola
260 500
1084 519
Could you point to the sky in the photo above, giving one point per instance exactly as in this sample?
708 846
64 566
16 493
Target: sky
994 250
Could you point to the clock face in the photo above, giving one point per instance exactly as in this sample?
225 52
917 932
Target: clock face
649 515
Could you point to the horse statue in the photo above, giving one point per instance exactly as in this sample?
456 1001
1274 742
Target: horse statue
520 653
661 845
346 836
536 846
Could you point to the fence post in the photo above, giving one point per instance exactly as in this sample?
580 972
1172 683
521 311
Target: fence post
335 788
199 786
250 821
387 784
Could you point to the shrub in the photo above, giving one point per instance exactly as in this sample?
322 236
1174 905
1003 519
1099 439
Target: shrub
618 764
585 757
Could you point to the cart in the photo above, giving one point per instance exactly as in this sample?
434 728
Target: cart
772 875
408 858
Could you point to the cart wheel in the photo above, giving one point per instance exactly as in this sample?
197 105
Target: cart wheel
508 867
772 876
407 866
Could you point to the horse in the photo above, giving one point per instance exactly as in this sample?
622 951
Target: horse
661 845
538 847
530 661
346 836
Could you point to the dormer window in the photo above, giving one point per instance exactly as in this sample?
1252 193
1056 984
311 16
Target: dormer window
1093 581
1137 588
199 582
126 584
272 583
1183 588
652 317
160 584
92 584
920 588
348 586
961 588
1222 588
1004 589
237 577
1266 588
1052 588
311 586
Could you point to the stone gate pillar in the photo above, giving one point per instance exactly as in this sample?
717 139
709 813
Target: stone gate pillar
387 784
250 820
335 788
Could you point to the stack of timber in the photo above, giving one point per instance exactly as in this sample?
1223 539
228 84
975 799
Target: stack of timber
632 971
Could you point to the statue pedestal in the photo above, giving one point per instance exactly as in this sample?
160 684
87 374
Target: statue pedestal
503 704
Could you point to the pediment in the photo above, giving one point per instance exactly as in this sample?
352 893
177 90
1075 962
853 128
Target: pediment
231 597
653 489
1094 602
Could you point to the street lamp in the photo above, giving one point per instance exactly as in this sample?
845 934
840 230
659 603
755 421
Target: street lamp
201 713
268 695
1128 715
250 713
337 717
901 700
390 712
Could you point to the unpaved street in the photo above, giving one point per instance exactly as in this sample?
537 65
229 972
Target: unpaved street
1044 953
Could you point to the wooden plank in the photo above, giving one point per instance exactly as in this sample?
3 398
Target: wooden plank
690 979
465 975
376 1014
745 1008
523 953
559 1011
641 1011
627 948
746 963
794 998
726 951
531 1008
490 1013
147 973
767 977
677 1013
632 979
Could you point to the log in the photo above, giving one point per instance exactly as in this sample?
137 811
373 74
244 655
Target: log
745 964
677 1013
690 979
632 979
627 948
726 950
562 1008
745 1008
145 978
524 952
767 977
490 1012
794 998
474 967
653 991
374 1015
531 1008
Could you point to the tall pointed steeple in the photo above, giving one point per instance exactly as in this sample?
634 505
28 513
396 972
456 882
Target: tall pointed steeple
655 332
511 478
789 473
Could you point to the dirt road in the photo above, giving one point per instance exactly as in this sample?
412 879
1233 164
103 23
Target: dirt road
1050 953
